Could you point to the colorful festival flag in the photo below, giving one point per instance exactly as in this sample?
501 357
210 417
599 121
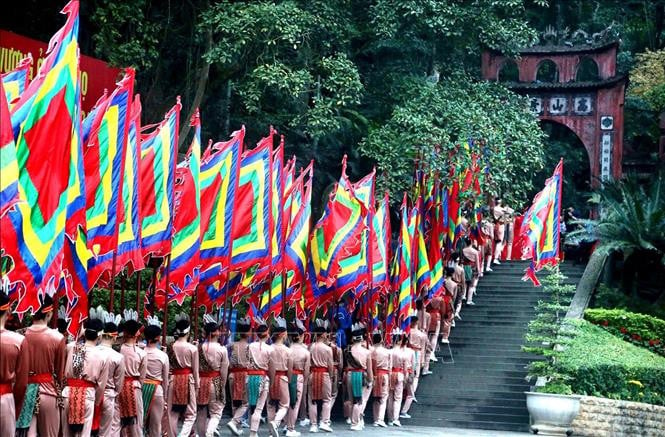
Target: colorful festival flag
541 226
46 124
8 165
401 270
16 81
159 150
184 264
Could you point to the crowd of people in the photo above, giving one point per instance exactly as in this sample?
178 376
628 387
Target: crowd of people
117 378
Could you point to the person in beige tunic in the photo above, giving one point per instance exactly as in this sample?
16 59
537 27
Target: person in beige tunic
86 372
130 399
487 230
47 352
184 379
320 381
109 422
13 370
459 278
280 371
383 364
156 382
239 364
499 216
418 344
434 309
359 375
258 381
300 359
450 291
471 261
213 372
402 365
424 319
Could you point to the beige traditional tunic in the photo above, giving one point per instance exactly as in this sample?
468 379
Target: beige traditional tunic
157 373
187 361
13 379
362 355
300 359
382 360
320 381
135 370
47 352
110 421
217 358
280 370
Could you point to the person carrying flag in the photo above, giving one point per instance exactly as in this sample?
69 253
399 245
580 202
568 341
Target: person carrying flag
184 380
300 359
213 372
13 368
156 382
46 350
130 398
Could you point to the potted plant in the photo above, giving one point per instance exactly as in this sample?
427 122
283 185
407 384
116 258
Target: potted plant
551 403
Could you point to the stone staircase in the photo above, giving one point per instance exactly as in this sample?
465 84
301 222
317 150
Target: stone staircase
484 388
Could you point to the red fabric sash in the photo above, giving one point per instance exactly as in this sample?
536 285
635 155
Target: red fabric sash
257 372
183 371
77 398
317 382
5 388
97 416
238 387
79 383
318 369
380 382
127 398
398 370
209 374
275 389
40 378
297 371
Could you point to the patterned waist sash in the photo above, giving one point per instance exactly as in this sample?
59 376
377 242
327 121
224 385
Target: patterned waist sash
31 400
380 382
5 388
77 398
254 380
207 377
356 381
275 389
180 388
147 395
127 401
238 386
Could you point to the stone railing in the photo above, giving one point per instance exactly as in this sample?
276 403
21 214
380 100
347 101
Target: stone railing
601 417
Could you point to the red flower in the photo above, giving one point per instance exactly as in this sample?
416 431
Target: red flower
637 337
623 330
652 342
605 323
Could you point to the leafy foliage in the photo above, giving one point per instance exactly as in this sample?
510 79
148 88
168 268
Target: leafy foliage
615 298
639 329
440 117
599 364
647 78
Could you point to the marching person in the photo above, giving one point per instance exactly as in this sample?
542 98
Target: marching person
487 231
450 291
184 380
109 419
299 376
382 361
499 216
239 363
13 368
47 352
86 372
510 232
402 361
321 377
280 371
435 310
258 383
417 343
359 375
213 371
471 260
338 364
423 325
156 382
130 398
459 277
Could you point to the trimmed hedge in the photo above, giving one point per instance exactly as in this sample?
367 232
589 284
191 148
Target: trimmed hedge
600 364
639 329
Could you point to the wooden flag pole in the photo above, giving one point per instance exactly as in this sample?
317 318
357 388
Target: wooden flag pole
138 291
123 285
166 299
112 289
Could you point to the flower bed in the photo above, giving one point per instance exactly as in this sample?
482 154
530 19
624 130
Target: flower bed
639 329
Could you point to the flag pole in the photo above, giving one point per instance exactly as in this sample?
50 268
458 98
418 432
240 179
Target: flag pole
166 298
138 291
123 285
112 289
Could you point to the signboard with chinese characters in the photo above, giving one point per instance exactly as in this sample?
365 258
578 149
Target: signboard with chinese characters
96 75
558 105
606 157
582 105
536 105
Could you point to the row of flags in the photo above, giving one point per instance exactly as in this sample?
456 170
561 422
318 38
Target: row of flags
82 199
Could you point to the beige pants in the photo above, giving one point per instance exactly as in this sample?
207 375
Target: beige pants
410 391
326 394
109 423
292 415
255 418
395 398
206 426
46 423
189 415
155 414
278 412
89 413
359 408
8 411
380 402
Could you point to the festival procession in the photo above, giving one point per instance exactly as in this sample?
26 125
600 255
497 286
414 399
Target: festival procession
146 292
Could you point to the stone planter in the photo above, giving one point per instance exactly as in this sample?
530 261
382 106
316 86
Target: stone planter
552 414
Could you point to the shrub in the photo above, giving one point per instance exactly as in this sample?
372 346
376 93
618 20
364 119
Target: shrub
639 329
600 364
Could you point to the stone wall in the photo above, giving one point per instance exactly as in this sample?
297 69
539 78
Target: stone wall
600 417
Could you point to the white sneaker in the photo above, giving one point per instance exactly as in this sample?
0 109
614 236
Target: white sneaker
244 424
272 426
497 262
292 433
325 427
313 428
488 269
391 423
452 325
397 423
348 421
380 423
427 372
357 427
404 416
458 317
444 341
304 422
234 429
433 358
471 303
